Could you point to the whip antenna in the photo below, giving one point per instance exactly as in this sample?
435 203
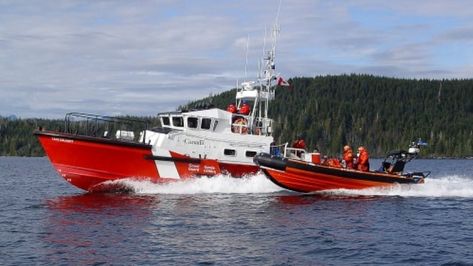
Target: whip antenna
246 59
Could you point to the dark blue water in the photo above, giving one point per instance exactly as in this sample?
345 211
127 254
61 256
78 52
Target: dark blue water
227 221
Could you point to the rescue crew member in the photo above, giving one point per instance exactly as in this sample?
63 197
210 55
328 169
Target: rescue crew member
299 143
363 163
348 157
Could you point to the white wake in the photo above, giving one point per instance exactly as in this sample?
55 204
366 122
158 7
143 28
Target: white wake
217 184
449 186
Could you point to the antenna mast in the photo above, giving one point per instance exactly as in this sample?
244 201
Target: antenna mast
246 57
261 91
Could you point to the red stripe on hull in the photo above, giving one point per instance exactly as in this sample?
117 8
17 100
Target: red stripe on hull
86 164
305 181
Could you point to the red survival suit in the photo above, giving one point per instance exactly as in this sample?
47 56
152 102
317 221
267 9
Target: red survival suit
348 157
363 163
299 144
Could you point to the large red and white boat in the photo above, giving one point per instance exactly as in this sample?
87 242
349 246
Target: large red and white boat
93 149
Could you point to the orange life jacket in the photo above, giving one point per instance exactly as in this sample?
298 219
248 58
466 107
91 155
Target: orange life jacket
363 161
348 158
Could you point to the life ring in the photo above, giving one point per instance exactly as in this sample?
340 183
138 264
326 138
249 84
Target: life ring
240 126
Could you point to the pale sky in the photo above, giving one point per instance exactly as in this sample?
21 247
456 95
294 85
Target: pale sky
144 57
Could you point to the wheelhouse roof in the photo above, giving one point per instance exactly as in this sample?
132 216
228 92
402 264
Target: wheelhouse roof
213 112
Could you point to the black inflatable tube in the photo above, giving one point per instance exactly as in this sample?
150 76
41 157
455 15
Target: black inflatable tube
264 159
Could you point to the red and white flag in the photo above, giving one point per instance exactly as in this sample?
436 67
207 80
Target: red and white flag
282 82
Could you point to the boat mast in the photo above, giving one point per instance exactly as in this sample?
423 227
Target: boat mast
261 91
270 67
270 70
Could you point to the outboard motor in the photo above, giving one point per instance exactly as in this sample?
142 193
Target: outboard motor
414 148
395 161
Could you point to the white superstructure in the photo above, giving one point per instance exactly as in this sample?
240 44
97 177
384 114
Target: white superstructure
228 137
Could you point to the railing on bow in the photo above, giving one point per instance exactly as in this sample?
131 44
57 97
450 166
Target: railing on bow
119 128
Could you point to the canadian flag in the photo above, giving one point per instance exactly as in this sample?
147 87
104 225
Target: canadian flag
282 82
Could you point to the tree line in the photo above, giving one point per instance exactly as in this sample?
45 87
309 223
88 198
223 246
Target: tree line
16 135
380 113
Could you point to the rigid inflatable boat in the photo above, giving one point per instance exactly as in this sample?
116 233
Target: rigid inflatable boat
302 175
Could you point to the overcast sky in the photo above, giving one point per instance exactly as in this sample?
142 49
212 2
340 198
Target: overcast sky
143 57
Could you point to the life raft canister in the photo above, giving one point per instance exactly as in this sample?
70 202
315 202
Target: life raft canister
244 109
231 108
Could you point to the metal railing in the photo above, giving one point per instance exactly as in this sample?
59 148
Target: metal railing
119 128
278 150
282 150
294 153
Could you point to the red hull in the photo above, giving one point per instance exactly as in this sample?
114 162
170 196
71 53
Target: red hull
303 181
87 162
304 177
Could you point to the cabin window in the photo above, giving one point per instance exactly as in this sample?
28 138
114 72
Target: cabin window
250 153
177 121
229 152
215 125
192 122
165 121
206 123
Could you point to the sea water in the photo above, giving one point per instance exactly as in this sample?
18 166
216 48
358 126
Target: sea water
227 221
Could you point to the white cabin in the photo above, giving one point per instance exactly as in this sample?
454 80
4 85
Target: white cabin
208 134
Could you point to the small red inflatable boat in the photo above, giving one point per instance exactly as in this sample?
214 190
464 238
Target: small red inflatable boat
303 176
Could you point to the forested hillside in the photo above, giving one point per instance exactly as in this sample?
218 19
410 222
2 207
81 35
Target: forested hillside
16 136
380 113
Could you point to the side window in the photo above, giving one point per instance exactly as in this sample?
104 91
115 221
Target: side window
250 153
192 122
177 121
229 152
206 123
165 120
